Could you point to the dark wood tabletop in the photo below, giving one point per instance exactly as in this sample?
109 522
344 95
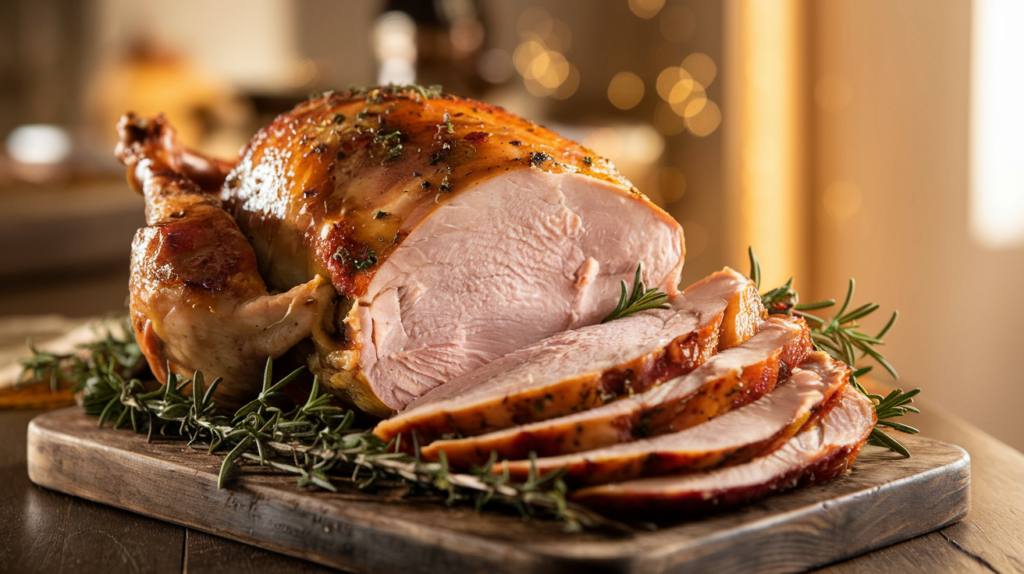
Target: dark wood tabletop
46 531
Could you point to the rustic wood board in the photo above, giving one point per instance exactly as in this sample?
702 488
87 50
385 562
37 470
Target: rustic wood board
882 501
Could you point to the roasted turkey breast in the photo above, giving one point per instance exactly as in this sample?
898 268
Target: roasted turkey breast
442 259
451 231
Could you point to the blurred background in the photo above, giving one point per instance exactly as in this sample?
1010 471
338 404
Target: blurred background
840 138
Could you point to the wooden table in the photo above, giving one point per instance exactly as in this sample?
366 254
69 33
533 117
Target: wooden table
44 531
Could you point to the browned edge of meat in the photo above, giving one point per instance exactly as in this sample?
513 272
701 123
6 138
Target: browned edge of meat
821 452
725 395
588 391
662 458
592 389
620 421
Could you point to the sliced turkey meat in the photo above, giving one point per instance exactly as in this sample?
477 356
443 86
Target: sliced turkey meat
584 368
726 381
823 451
732 438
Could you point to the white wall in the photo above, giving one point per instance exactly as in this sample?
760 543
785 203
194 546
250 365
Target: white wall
902 139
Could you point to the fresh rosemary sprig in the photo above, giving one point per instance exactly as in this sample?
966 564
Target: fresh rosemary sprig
317 440
118 350
841 338
639 299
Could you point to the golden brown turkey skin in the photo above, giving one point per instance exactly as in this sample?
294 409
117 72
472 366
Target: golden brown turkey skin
348 175
197 301
454 231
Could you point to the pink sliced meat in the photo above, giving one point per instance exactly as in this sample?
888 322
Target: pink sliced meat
821 452
730 439
726 381
585 368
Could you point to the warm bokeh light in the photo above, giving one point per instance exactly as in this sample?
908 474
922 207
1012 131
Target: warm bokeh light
677 24
701 67
550 69
694 107
495 66
684 94
556 34
667 120
669 79
642 144
672 183
646 8
841 200
706 120
540 58
682 91
625 90
567 88
832 93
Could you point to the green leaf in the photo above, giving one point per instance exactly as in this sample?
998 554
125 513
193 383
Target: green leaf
225 465
638 299
755 268
879 438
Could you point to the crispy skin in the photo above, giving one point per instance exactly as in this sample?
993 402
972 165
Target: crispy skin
337 161
197 301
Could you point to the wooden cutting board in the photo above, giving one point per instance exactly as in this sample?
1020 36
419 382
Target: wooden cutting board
884 500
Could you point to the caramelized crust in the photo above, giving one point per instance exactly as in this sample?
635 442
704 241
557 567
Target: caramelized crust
334 186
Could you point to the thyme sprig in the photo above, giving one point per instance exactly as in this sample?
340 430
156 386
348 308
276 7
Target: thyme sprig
317 440
842 338
640 298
